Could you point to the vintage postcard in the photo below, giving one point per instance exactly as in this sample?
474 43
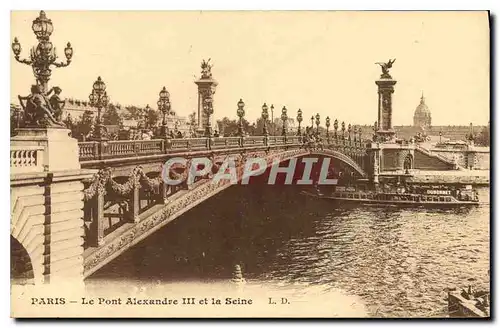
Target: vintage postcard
287 164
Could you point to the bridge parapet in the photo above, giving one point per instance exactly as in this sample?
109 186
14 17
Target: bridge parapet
26 159
90 151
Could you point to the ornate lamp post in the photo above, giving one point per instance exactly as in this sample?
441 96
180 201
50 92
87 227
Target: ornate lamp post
349 129
343 130
317 122
146 115
359 135
327 124
312 122
164 107
375 128
208 108
470 135
43 55
272 120
98 99
265 117
176 127
440 135
241 113
284 118
335 127
299 119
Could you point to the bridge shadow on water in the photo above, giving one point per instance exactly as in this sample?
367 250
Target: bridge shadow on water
243 225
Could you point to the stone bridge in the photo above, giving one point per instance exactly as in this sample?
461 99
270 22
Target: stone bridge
72 222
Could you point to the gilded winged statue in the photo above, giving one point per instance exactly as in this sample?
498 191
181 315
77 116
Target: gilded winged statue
206 69
385 68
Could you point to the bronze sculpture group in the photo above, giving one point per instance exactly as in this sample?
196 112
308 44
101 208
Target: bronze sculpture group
41 111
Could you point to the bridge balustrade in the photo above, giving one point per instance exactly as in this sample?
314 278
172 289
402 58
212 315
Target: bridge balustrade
290 140
276 140
254 141
226 142
88 150
189 144
26 159
93 150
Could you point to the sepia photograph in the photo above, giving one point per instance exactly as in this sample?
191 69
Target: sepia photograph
250 164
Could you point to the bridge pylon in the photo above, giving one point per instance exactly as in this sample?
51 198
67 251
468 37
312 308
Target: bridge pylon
47 205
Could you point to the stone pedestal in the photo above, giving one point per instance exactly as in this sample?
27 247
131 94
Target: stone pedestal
374 153
58 151
47 202
385 131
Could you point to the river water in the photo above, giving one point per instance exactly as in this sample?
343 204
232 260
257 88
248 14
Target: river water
397 262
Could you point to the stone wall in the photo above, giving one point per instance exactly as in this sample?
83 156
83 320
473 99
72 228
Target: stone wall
477 159
47 221
467 177
393 159
423 161
390 160
483 160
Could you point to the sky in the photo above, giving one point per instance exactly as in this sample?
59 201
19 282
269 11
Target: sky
321 62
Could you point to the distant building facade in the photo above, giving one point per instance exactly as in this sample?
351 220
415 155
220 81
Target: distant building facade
178 123
422 123
75 108
448 132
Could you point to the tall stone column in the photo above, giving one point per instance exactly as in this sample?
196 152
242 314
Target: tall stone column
206 90
385 83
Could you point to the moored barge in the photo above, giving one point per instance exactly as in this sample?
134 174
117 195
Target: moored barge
426 197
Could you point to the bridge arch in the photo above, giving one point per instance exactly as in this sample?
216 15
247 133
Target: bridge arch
27 231
341 157
187 199
21 268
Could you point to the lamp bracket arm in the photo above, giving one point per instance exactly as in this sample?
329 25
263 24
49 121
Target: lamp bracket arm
62 64
23 61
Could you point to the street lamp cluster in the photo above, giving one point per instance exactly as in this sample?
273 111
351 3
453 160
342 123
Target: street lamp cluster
43 55
284 118
265 117
352 132
99 99
164 107
241 113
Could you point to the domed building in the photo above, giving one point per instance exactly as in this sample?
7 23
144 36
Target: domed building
422 116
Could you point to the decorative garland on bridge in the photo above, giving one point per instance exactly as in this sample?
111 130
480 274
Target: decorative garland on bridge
103 182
